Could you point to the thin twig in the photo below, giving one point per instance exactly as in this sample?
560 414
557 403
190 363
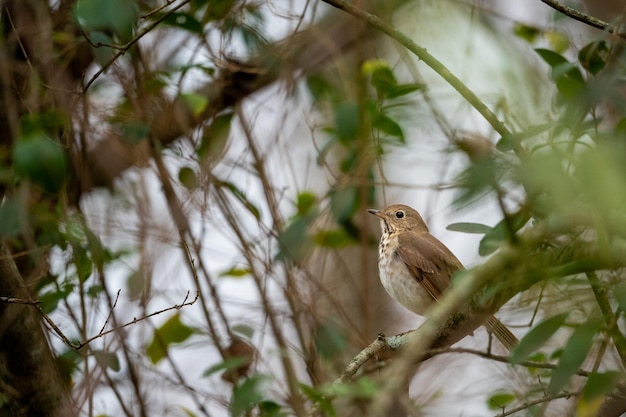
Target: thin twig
585 18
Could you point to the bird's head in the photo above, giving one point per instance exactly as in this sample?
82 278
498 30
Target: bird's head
399 218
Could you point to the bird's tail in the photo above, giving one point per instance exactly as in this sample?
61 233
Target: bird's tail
504 335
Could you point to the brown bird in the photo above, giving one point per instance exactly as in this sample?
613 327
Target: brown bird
416 268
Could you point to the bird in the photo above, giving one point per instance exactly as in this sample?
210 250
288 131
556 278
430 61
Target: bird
415 267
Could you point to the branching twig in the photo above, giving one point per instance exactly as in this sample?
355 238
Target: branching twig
585 18
545 399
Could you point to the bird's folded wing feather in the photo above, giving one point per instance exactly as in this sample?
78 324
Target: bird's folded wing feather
428 260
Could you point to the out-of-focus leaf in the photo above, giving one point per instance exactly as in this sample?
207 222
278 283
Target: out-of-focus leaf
218 9
215 137
557 40
344 202
119 16
593 56
318 397
501 233
197 103
335 239
187 177
225 365
305 203
574 354
10 213
619 293
49 301
42 161
295 241
172 331
536 337
107 359
499 400
347 121
388 126
476 228
597 387
136 284
134 131
330 341
235 272
241 196
528 33
404 89
363 388
248 394
182 20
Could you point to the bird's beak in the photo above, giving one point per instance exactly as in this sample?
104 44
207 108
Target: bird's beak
376 213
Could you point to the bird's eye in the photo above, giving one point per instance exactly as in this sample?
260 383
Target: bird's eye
399 214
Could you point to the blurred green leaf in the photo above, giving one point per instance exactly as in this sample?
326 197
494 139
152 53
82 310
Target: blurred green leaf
172 331
388 126
182 20
134 131
344 202
600 384
197 103
536 337
187 177
500 233
248 394
404 89
305 203
362 388
42 161
49 301
574 354
215 137
528 33
107 359
330 341
476 228
241 196
347 121
136 284
218 9
619 293
235 272
593 56
10 218
295 241
335 239
226 365
119 16
319 398
499 400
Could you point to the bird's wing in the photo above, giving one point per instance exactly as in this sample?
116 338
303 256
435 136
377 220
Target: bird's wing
428 260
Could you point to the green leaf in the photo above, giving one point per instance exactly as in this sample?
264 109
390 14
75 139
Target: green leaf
528 33
10 218
574 354
600 384
476 228
388 126
499 400
172 331
305 203
248 395
404 89
295 241
235 272
593 56
347 121
197 103
536 337
226 365
42 161
501 233
335 239
241 196
134 131
317 397
119 16
344 202
187 177
330 341
107 359
182 20
214 137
